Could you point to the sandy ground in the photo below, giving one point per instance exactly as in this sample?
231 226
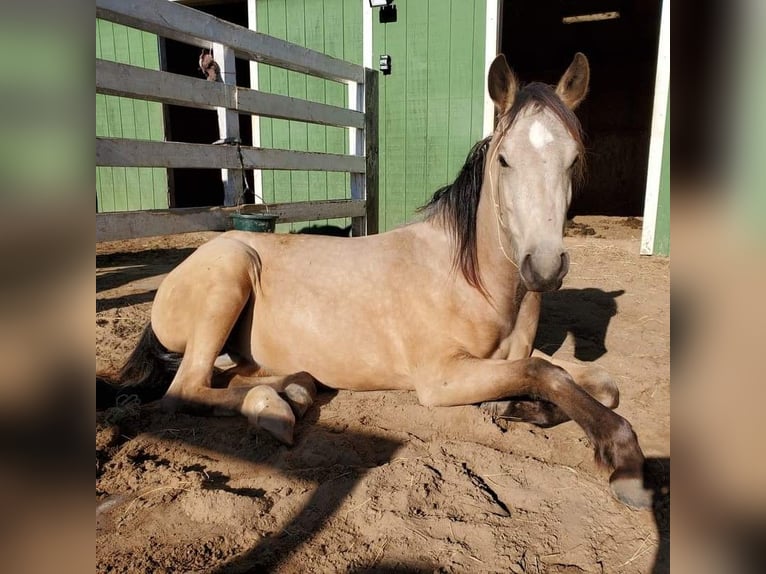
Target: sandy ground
375 482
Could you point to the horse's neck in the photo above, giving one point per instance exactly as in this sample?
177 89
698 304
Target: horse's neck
499 273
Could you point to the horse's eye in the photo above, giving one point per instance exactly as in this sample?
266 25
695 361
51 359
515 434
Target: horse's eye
502 161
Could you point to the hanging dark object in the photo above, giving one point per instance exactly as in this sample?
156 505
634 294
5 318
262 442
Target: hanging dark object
209 67
387 12
385 64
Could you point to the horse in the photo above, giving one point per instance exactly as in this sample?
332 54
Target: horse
446 306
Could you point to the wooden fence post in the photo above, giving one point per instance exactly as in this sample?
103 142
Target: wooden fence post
371 149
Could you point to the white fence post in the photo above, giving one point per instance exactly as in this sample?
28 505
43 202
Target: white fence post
228 125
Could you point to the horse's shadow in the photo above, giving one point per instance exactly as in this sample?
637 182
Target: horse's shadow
585 313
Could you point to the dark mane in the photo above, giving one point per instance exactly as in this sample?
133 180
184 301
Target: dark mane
455 206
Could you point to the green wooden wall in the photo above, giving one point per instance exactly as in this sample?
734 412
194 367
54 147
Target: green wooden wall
333 27
120 188
662 225
432 104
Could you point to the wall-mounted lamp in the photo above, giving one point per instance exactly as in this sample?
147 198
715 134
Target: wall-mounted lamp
387 12
385 64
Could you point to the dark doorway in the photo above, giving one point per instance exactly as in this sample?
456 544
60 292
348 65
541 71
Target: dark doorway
201 186
617 114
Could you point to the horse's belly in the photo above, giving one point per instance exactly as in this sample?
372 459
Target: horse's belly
334 348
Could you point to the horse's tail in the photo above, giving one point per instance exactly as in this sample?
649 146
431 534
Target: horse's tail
147 373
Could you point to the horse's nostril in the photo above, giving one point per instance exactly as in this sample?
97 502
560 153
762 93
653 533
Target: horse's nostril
526 266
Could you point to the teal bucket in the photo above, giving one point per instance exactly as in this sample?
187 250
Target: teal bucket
262 222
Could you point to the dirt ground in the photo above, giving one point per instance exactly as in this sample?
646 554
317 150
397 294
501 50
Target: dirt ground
376 482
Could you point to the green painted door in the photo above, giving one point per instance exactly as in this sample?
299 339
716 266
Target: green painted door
120 188
431 106
432 103
333 27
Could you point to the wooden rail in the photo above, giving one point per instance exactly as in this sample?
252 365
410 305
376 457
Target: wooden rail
172 20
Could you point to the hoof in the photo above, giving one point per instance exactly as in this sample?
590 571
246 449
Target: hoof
265 410
629 489
301 395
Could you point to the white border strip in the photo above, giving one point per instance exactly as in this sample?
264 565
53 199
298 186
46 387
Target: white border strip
654 169
367 35
252 24
490 51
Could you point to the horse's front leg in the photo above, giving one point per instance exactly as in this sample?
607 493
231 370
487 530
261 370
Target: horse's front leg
594 380
471 380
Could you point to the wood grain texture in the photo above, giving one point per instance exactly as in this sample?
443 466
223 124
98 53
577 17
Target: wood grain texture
132 224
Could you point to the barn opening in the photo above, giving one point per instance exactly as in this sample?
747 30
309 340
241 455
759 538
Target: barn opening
617 113
201 187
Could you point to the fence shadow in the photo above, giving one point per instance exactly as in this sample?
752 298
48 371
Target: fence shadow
333 462
137 265
585 313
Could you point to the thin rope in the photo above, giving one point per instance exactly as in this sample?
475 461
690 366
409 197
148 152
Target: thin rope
496 202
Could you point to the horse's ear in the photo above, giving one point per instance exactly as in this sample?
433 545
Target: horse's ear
573 85
502 84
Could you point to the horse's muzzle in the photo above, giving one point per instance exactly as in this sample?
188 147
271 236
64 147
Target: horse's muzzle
544 271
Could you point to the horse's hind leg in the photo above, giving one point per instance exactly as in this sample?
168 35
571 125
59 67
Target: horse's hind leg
217 294
298 389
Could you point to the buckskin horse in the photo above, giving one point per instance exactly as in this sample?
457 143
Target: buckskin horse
447 306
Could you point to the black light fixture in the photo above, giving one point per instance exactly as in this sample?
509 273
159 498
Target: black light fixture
385 64
387 12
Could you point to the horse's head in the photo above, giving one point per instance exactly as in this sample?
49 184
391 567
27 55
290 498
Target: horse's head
535 153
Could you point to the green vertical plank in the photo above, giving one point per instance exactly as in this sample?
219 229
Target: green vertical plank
315 91
416 70
147 197
460 63
477 70
106 183
132 189
102 125
119 175
151 51
279 85
396 125
264 84
335 94
135 42
437 93
662 225
121 51
296 87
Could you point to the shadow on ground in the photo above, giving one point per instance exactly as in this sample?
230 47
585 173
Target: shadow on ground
585 313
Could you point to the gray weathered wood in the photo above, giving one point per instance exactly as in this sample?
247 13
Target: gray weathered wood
133 82
190 26
132 224
118 152
371 150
